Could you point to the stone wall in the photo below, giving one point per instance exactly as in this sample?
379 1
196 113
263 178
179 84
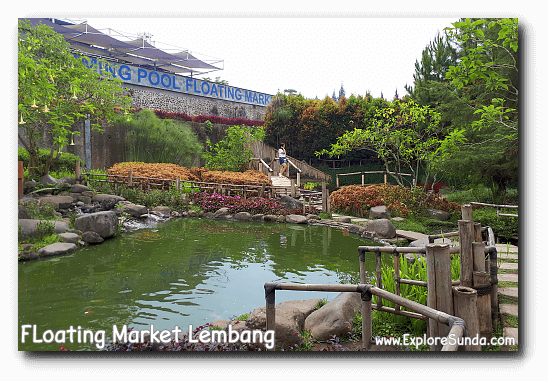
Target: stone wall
155 99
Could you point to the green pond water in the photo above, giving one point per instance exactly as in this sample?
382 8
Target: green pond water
184 271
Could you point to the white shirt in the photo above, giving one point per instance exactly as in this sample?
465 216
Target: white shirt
281 152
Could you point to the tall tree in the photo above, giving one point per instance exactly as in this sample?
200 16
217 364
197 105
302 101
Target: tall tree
56 90
436 59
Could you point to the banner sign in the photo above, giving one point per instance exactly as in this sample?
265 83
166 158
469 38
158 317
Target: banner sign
186 85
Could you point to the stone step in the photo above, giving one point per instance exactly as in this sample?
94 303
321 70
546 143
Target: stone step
511 332
502 248
508 266
509 291
508 277
507 256
411 235
508 309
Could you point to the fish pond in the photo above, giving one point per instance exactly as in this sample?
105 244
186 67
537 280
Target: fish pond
182 272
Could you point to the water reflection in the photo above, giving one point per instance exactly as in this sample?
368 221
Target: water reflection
185 271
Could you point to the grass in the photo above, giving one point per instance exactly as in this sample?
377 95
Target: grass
427 225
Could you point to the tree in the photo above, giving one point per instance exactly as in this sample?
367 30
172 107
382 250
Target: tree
404 136
436 60
56 90
342 93
487 75
233 153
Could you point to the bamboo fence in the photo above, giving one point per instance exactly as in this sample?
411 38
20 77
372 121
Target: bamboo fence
363 173
469 304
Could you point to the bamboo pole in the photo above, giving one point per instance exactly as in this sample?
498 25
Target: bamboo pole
477 232
337 180
397 276
478 250
455 334
130 178
378 268
493 270
363 179
438 274
466 257
467 212
482 285
465 299
385 177
298 179
270 296
293 190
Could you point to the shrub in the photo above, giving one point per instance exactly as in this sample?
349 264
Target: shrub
65 163
505 227
399 200
210 202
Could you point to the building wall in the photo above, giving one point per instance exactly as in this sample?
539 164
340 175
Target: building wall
157 99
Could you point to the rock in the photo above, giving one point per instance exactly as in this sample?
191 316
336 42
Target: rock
85 199
206 215
163 210
28 227
134 210
48 180
79 188
22 212
92 238
439 215
104 197
422 242
312 217
290 203
68 180
89 194
193 213
334 317
58 248
281 219
27 255
270 218
398 219
344 219
103 223
223 324
243 216
290 320
70 237
59 202
175 214
355 229
380 211
220 213
382 228
258 217
295 219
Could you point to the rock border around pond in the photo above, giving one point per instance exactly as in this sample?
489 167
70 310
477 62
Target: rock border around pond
104 216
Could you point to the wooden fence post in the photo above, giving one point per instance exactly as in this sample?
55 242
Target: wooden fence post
467 213
465 308
363 179
293 190
298 178
482 285
385 177
440 296
20 179
466 236
337 180
130 178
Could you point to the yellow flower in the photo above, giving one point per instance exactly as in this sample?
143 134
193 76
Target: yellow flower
22 121
46 109
33 105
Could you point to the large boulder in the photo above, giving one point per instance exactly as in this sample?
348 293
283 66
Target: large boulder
48 180
59 202
290 203
100 198
92 238
220 213
79 188
243 216
134 210
57 248
382 228
334 317
439 215
270 218
28 227
290 318
103 223
162 211
380 211
70 237
295 219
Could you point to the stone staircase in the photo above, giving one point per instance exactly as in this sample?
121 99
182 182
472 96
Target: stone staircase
509 308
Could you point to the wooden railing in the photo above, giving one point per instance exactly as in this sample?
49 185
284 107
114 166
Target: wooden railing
499 207
363 173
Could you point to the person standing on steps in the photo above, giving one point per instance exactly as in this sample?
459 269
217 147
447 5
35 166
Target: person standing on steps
283 159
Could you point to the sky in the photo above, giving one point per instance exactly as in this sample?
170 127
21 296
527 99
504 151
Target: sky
312 55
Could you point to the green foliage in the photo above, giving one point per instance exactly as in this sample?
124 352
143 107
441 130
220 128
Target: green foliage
56 90
40 211
44 241
406 138
504 227
415 271
153 140
427 225
233 153
44 228
66 162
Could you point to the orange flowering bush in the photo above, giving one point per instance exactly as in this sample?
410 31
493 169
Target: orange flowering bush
174 171
400 201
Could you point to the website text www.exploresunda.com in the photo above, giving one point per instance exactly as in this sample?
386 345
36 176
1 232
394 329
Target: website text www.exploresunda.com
408 340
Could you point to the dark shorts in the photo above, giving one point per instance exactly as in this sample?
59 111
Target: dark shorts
283 160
